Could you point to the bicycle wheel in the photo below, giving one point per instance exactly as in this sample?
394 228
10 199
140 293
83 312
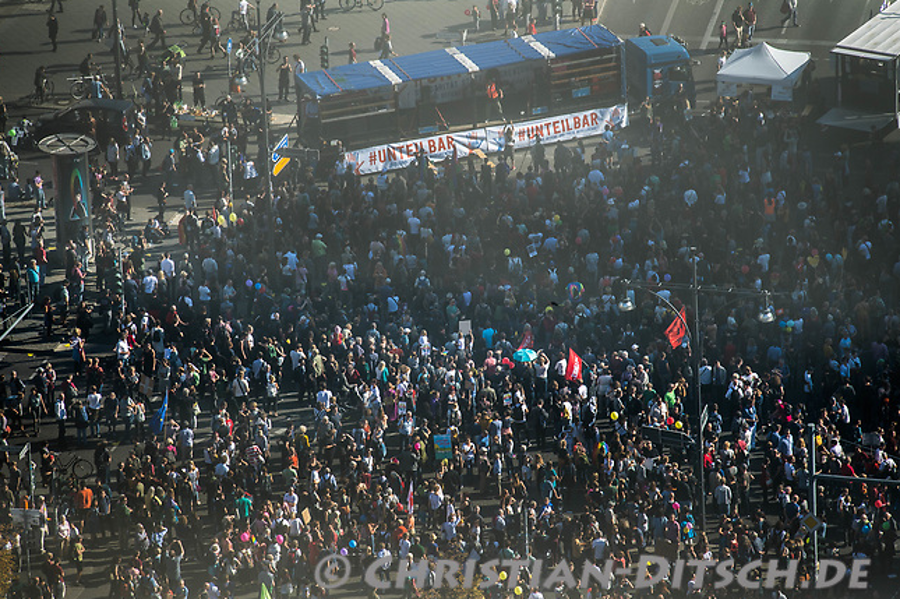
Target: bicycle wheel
82 469
196 29
347 5
186 16
77 90
49 88
375 4
273 55
215 12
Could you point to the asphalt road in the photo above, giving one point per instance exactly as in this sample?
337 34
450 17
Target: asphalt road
418 25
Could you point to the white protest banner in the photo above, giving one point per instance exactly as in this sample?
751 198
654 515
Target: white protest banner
561 128
486 140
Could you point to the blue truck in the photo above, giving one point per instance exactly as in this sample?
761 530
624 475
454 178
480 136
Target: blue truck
655 67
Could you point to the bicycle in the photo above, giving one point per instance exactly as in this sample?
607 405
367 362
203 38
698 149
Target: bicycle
349 5
79 467
187 15
237 23
47 89
273 54
79 87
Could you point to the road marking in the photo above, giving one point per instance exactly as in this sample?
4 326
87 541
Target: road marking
795 42
777 40
707 39
669 15
602 6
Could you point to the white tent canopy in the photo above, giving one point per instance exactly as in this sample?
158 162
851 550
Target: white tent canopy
762 65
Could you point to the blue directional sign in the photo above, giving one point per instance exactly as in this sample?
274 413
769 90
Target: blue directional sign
281 144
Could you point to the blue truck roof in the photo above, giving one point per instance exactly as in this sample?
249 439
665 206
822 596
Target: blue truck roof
659 49
456 61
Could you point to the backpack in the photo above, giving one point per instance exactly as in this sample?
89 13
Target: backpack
145 152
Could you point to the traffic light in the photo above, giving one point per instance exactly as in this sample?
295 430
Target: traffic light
323 55
119 281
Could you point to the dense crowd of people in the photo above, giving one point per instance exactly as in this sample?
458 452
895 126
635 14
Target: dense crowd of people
457 299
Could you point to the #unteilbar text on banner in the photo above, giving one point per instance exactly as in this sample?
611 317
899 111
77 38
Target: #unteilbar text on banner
487 139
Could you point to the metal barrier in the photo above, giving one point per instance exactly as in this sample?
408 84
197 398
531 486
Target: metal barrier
16 317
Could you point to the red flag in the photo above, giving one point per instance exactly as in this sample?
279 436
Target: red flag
676 331
409 499
573 368
527 341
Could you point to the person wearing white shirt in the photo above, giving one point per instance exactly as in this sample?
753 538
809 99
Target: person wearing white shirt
295 528
414 225
324 397
123 352
167 265
448 528
190 199
95 405
243 10
290 501
404 546
150 283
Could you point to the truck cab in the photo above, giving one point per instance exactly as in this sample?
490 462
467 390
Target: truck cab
656 65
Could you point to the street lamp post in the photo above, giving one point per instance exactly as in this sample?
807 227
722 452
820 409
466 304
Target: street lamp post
697 350
117 49
627 306
262 40
765 316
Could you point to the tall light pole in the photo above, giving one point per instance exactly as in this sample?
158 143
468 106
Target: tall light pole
117 49
262 34
765 316
697 350
627 306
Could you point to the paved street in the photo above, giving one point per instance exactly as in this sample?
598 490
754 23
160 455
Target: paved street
418 25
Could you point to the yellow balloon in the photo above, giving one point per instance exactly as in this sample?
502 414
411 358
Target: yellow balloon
232 217
221 220
518 590
614 416
818 440
506 252
503 575
678 425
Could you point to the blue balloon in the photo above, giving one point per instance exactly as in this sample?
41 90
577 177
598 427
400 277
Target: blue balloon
790 323
257 286
829 257
352 544
781 324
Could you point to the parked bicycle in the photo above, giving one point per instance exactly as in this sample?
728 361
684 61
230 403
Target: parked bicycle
77 466
188 17
349 5
272 54
237 23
